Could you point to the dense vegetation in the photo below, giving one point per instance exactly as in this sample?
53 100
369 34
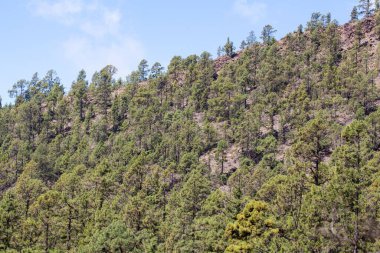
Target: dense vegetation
275 148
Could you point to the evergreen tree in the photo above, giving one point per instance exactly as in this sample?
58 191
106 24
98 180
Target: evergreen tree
243 45
9 218
221 154
45 211
103 82
254 230
19 91
156 70
229 48
251 39
365 7
184 210
354 14
143 70
312 145
79 90
267 34
351 161
219 51
217 211
116 237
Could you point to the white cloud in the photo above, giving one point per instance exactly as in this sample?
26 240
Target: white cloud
62 10
108 23
252 11
92 55
97 37
90 16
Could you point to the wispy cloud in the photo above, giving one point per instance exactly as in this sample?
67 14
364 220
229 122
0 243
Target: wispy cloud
250 10
123 52
108 23
97 37
62 11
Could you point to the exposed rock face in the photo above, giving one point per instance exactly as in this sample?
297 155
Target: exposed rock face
231 162
223 60
348 34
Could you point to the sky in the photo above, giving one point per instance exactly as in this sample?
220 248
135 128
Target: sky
70 35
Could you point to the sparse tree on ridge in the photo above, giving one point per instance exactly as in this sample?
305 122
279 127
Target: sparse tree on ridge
243 45
103 82
251 39
79 90
156 70
267 34
300 29
229 48
143 69
19 90
219 51
354 14
365 7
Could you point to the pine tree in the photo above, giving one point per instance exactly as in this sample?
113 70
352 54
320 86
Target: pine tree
156 70
221 154
9 220
184 207
243 45
219 51
313 143
143 70
365 7
229 48
217 211
255 230
79 90
352 177
71 213
251 39
19 91
28 188
354 14
116 237
103 82
267 34
45 211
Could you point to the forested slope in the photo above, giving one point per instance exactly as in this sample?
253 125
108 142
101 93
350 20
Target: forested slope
275 148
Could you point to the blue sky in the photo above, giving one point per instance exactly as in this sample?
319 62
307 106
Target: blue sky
68 35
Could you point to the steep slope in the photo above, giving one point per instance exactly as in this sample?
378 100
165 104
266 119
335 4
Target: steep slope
275 149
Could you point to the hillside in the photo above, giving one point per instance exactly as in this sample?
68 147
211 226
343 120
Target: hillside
274 148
